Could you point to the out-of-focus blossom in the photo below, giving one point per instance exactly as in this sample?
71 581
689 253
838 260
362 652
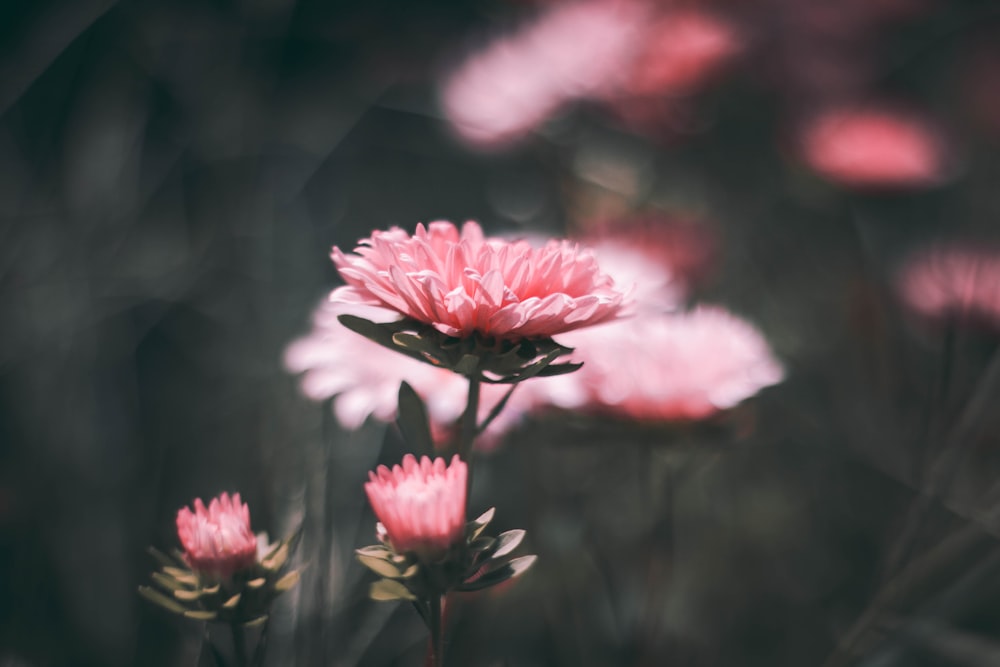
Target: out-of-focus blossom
466 284
572 51
217 540
682 247
681 50
953 281
363 379
420 504
871 147
673 366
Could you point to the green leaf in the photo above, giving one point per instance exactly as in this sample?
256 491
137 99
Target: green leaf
162 600
187 596
474 529
168 582
287 582
482 543
276 559
501 574
380 566
163 559
201 615
507 542
412 420
559 369
389 589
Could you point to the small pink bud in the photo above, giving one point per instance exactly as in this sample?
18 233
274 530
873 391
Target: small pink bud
217 541
420 504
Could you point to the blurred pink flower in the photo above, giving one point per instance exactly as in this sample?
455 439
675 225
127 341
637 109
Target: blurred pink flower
466 284
961 281
571 51
673 366
421 505
681 50
217 541
874 147
363 378
683 247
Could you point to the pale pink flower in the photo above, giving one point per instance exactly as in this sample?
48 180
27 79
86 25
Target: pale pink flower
953 281
673 366
874 147
683 247
572 51
681 50
217 540
363 378
466 284
420 504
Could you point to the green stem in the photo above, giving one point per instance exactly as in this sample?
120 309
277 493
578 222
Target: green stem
436 629
495 412
468 427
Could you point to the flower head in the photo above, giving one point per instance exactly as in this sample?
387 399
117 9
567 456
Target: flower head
874 148
673 366
953 281
420 504
464 283
217 540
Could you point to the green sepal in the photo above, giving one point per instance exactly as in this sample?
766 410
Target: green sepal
412 420
168 582
389 589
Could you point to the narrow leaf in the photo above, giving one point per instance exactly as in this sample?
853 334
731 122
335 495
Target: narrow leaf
159 598
379 566
412 420
507 542
287 581
389 589
201 615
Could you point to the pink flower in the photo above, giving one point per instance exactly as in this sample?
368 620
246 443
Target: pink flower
673 367
363 378
466 284
517 82
421 505
874 147
680 51
217 541
961 281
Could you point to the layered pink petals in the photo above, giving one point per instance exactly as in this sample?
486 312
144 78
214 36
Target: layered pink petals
421 504
873 147
217 540
465 284
673 367
959 281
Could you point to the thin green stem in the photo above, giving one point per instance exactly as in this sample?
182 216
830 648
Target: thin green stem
239 644
436 630
495 412
468 427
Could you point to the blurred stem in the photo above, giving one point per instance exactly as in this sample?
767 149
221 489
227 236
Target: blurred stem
239 644
436 630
